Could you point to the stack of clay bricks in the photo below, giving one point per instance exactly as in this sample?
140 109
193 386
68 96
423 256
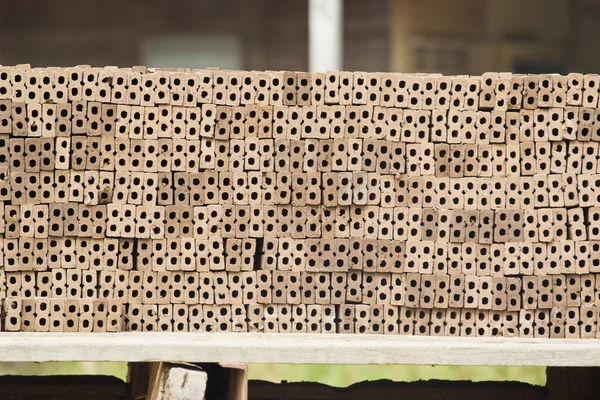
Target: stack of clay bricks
345 202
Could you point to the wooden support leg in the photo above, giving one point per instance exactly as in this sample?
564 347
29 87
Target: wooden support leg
573 383
138 376
162 381
227 381
384 389
182 381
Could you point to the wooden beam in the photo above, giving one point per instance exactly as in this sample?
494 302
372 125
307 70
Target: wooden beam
155 380
441 390
565 383
296 349
63 387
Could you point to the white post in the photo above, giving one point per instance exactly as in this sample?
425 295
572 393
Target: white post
325 35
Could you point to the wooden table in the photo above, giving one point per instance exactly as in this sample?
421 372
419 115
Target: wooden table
571 363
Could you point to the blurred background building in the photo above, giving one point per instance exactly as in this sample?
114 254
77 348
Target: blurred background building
449 36
474 36
243 34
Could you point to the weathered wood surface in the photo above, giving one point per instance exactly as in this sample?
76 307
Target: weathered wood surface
296 349
438 390
62 388
573 383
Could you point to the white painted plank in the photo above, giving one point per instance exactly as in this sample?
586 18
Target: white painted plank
297 349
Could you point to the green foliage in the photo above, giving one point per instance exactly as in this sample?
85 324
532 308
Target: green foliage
344 375
335 375
117 369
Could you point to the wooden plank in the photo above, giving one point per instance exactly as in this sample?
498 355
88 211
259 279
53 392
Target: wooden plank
573 383
63 387
384 389
296 349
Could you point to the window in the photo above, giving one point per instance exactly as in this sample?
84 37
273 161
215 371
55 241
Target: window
193 51
441 56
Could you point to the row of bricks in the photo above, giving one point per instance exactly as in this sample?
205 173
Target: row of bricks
559 322
314 255
58 315
288 287
320 122
183 87
297 156
231 254
61 315
112 121
242 222
285 189
342 255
